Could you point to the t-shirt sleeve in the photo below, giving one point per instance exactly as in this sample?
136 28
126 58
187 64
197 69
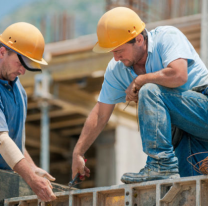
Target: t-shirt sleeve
112 91
3 123
172 46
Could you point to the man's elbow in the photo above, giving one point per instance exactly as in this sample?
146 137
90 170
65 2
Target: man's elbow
182 79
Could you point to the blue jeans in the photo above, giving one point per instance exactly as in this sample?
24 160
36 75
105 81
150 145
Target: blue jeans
188 110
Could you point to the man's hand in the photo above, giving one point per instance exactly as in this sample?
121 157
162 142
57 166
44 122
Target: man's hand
78 166
42 173
42 188
132 92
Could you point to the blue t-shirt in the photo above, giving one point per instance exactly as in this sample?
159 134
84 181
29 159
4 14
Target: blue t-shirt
12 114
165 44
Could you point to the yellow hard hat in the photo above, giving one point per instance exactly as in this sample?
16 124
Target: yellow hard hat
116 27
26 40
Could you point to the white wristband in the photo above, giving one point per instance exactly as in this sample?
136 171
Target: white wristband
9 150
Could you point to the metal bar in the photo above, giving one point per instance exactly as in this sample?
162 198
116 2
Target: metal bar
45 154
198 192
129 196
95 199
158 194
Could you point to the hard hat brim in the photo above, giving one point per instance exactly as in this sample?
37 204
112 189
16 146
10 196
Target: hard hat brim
29 64
42 61
98 49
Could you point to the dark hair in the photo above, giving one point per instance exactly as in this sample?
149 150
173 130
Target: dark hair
143 33
8 50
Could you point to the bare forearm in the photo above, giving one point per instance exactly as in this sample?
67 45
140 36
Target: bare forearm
29 159
25 171
94 124
92 128
164 78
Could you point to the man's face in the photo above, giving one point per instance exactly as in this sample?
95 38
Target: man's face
11 67
129 54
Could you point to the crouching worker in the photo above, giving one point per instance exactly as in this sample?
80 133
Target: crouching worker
21 48
158 69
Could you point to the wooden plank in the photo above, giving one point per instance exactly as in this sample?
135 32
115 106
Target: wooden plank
69 132
191 29
36 144
52 114
32 105
33 132
67 123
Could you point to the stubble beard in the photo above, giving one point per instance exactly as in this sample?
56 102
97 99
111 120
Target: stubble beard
4 73
128 64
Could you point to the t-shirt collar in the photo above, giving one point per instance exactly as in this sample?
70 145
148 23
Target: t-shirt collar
6 82
150 42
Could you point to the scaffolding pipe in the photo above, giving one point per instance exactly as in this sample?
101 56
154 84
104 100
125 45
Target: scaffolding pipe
42 85
45 153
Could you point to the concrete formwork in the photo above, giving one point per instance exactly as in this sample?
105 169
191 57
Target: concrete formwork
189 191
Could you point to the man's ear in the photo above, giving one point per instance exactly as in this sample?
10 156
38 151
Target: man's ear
2 51
139 39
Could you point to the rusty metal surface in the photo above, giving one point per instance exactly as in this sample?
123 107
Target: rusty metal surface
112 197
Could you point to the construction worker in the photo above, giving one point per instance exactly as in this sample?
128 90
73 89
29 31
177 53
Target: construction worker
157 69
21 49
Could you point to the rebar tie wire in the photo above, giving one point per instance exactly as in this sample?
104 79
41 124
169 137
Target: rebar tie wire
201 166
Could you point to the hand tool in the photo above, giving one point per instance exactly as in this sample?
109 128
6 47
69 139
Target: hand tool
76 179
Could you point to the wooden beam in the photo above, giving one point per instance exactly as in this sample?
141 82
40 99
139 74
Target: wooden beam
72 66
36 144
29 90
33 132
32 105
69 132
67 123
52 114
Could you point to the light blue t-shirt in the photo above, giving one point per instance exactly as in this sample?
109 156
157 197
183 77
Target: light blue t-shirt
12 114
165 44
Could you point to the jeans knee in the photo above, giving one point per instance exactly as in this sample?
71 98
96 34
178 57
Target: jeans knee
147 89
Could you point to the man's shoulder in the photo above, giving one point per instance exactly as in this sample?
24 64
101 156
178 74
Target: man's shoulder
165 31
114 66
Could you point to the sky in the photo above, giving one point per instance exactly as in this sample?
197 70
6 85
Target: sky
84 15
9 6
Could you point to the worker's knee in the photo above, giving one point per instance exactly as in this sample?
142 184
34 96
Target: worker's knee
148 89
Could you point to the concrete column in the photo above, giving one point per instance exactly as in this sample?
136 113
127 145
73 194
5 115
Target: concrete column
129 153
105 159
118 151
